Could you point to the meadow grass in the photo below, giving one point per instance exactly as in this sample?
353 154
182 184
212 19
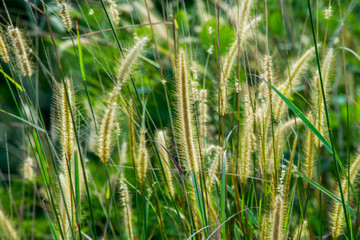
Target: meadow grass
178 120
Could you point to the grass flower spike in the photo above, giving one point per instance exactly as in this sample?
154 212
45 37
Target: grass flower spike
3 50
22 51
64 14
6 225
186 135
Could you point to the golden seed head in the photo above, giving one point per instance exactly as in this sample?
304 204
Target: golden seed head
7 226
129 60
3 50
327 13
28 169
186 135
161 136
22 51
124 191
64 14
114 12
143 158
105 141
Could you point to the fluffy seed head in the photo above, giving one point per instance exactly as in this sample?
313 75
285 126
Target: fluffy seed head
129 61
64 99
203 112
310 152
186 134
106 131
28 169
22 51
7 226
64 14
161 139
143 158
124 191
297 68
114 12
3 50
327 13
276 226
337 214
248 142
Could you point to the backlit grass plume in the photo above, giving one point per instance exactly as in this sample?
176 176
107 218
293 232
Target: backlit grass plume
128 61
310 152
292 81
186 135
105 141
64 98
22 51
317 99
242 28
142 158
203 112
248 142
7 227
161 139
3 49
64 117
113 11
64 14
28 169
337 213
126 203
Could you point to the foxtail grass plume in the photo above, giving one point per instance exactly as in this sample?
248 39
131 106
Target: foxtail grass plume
28 169
318 99
126 203
3 50
248 143
7 226
337 213
310 153
65 99
64 14
230 58
161 139
203 112
296 69
65 117
22 51
142 158
113 11
275 225
105 141
214 165
66 204
128 62
186 134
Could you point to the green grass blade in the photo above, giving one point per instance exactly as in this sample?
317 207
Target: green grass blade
11 80
297 111
80 53
325 191
23 120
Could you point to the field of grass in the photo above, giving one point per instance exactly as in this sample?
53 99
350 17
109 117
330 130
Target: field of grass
174 119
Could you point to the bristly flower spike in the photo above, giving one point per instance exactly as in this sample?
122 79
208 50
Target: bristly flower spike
4 55
186 135
22 51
